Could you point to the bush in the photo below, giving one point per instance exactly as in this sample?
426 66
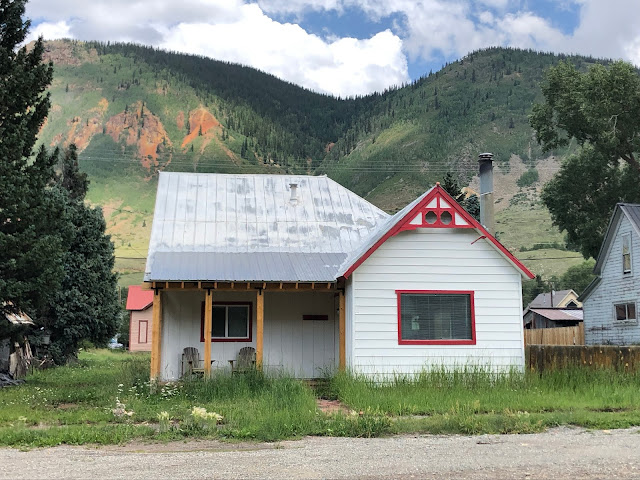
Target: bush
528 178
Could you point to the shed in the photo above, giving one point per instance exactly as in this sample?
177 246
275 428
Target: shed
314 278
140 308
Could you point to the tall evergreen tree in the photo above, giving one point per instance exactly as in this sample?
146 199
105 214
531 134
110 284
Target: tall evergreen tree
30 255
86 306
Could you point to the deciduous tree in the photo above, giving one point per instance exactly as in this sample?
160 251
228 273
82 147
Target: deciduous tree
600 109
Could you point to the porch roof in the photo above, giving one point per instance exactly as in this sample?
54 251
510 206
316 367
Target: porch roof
247 267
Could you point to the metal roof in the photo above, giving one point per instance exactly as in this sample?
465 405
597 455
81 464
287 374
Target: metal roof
138 299
220 227
560 314
544 299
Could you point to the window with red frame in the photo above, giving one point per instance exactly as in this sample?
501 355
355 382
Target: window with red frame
230 322
436 317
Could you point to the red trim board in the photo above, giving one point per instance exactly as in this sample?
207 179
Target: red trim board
438 194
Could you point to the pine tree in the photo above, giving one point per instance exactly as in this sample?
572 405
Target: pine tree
30 246
86 306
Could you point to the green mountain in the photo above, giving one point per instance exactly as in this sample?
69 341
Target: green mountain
133 111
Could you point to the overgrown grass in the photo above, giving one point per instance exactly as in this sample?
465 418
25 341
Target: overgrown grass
77 404
474 401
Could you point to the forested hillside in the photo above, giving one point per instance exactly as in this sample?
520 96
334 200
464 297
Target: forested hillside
133 111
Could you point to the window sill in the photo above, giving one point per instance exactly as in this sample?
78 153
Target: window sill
437 342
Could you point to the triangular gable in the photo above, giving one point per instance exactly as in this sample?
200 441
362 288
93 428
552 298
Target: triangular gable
612 228
434 209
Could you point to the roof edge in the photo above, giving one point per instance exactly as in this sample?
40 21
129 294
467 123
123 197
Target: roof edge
420 203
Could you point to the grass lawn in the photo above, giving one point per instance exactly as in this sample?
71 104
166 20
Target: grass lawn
106 399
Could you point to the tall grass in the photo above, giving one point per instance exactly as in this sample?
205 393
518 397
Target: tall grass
436 391
76 404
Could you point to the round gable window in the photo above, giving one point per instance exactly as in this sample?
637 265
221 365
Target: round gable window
431 217
446 218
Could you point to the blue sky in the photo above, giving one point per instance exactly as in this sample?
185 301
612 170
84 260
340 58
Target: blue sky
348 47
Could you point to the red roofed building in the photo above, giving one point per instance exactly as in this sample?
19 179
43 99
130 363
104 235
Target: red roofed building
140 307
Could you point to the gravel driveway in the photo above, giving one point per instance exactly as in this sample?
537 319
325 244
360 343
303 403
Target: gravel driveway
559 453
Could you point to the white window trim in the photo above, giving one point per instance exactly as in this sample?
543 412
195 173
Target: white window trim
633 321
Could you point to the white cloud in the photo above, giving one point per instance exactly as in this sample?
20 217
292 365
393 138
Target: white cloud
49 31
345 66
235 31
427 30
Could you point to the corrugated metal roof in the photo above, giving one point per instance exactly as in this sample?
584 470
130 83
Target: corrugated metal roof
560 314
248 228
138 299
19 318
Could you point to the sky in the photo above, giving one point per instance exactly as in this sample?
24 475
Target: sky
347 47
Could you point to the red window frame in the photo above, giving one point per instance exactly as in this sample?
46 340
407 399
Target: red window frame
471 341
146 331
247 339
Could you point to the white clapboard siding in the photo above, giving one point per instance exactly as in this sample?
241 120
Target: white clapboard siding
305 349
600 325
434 259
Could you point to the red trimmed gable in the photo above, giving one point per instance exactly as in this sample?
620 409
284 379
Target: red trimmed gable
139 299
437 209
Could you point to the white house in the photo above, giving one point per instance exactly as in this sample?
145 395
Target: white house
315 278
610 302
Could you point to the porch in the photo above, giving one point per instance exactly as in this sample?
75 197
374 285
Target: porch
295 328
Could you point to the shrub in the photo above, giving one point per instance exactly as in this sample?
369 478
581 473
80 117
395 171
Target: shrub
528 178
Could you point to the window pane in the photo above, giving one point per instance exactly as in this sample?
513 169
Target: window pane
238 325
217 329
429 316
621 312
631 311
626 262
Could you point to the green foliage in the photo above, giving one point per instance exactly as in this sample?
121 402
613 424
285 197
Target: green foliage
30 257
86 306
528 178
578 277
582 196
601 110
532 288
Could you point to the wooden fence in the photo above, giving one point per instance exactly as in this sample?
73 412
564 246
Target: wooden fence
555 336
550 357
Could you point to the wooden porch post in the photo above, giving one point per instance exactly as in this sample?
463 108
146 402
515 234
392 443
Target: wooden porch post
259 327
156 335
342 328
208 321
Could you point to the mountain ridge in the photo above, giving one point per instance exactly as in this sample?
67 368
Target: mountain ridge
134 111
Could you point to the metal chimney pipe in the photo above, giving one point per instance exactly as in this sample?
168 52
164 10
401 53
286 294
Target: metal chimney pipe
487 219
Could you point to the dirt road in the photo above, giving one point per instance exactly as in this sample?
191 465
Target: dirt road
560 453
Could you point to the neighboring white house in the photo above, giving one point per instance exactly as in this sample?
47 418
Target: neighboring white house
610 302
315 278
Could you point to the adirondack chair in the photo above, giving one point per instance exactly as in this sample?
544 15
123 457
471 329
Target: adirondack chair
191 364
245 361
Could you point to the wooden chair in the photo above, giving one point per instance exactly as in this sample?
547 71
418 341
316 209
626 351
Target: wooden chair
191 363
245 361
